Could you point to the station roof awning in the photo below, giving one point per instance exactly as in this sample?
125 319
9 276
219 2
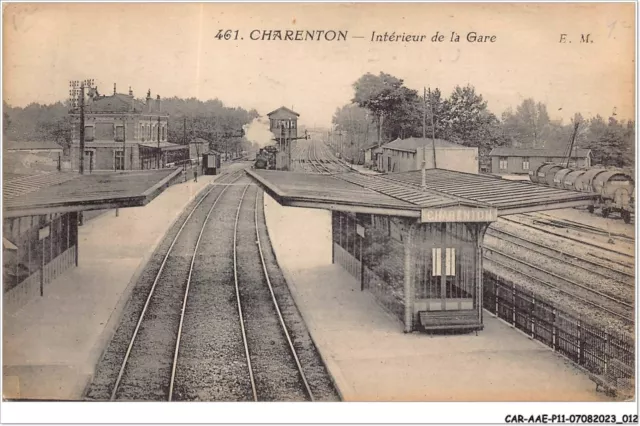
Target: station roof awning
402 194
164 146
66 192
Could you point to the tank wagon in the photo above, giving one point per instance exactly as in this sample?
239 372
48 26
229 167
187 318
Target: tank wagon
615 187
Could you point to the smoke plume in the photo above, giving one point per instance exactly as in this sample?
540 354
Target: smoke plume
258 132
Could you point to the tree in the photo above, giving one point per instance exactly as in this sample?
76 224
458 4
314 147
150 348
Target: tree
377 94
612 143
466 120
530 125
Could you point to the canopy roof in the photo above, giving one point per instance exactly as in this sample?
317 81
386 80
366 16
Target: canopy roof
66 192
402 194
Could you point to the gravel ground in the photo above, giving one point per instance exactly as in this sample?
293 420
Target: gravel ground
607 258
588 265
595 282
562 301
109 365
599 240
534 274
211 363
275 372
317 376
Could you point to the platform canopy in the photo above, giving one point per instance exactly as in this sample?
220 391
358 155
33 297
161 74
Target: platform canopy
70 191
448 196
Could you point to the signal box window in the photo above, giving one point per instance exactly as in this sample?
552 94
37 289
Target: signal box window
503 163
88 133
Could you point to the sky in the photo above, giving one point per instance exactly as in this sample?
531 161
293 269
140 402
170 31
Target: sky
172 50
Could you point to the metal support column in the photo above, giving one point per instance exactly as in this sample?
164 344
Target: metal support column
408 278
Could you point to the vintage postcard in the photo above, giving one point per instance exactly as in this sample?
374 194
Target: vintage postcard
320 202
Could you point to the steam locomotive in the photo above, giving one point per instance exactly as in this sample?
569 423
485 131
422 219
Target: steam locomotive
266 158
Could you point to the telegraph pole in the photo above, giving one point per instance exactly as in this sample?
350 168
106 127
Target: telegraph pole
184 139
433 132
424 114
82 128
76 101
124 144
159 152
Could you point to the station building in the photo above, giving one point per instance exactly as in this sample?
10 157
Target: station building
415 240
402 155
122 133
514 161
40 222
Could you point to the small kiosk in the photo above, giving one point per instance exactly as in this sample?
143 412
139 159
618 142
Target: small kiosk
412 240
211 163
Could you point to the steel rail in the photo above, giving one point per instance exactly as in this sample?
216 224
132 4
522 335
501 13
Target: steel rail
235 276
153 287
557 288
186 293
579 226
493 231
275 304
566 237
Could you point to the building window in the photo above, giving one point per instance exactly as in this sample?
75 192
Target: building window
293 124
450 262
88 133
164 133
503 163
119 134
118 160
525 163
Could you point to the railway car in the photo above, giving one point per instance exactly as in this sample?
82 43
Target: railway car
583 183
569 180
559 176
615 187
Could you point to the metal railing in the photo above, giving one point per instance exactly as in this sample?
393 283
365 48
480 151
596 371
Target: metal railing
601 351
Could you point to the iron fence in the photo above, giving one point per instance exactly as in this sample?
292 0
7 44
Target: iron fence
601 351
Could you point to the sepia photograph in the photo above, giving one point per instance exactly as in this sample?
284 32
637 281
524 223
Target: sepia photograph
319 202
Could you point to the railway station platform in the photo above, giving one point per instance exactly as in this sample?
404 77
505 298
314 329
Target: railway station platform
371 359
52 344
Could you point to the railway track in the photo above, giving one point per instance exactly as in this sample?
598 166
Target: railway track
549 220
626 278
546 231
208 325
265 334
159 326
586 295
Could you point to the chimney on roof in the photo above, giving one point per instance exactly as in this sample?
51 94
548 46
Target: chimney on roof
114 88
130 91
158 103
149 100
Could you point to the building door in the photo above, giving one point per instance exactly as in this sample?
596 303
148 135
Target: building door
446 268
89 163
